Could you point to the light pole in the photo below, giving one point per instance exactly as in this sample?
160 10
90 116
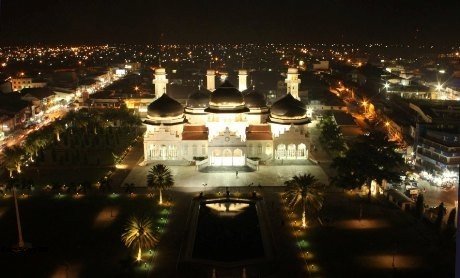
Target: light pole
21 244
204 188
394 254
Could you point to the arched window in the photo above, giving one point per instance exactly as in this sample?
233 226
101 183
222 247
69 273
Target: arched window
291 151
268 149
281 151
185 149
259 149
151 151
301 151
227 153
237 152
172 152
163 151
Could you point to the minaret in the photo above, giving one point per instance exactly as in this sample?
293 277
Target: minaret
292 82
242 80
211 80
160 82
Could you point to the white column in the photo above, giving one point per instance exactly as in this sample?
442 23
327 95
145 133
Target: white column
160 82
211 80
292 82
242 80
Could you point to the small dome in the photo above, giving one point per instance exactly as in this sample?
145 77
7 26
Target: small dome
288 107
165 106
254 99
199 99
226 95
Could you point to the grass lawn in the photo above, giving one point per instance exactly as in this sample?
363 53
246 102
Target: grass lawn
79 157
80 236
348 246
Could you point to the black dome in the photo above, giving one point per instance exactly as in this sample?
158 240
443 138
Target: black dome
165 106
199 99
226 95
254 99
288 107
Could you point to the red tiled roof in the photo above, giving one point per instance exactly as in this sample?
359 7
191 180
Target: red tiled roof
259 136
258 128
195 128
258 132
195 133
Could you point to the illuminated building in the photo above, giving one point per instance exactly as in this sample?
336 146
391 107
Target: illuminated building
225 125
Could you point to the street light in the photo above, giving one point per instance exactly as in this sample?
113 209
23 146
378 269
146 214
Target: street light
365 106
439 87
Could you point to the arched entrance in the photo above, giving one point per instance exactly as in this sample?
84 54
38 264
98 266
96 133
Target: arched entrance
280 151
238 158
227 157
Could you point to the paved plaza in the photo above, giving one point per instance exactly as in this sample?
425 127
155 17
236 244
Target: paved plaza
189 176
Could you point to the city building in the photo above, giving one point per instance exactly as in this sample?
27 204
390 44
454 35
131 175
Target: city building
41 99
226 126
437 136
19 83
14 111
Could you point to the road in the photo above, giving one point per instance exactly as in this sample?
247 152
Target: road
434 195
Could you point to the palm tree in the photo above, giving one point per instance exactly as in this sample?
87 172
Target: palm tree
58 127
12 159
95 120
31 145
306 189
160 177
139 233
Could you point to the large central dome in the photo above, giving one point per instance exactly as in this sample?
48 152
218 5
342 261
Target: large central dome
199 99
254 99
226 98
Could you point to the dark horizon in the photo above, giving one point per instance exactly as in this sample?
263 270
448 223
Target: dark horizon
137 21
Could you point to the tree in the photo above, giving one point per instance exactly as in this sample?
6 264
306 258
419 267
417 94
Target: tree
96 120
32 145
450 227
160 177
331 137
139 234
419 205
440 216
12 159
58 127
451 219
370 158
304 189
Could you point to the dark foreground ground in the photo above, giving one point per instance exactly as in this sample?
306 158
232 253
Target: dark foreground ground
80 237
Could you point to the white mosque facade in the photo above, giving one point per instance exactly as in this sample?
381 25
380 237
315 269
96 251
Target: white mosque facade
226 126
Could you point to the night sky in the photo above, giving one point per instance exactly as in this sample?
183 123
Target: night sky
143 21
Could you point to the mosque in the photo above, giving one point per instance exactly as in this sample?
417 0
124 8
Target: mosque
226 126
